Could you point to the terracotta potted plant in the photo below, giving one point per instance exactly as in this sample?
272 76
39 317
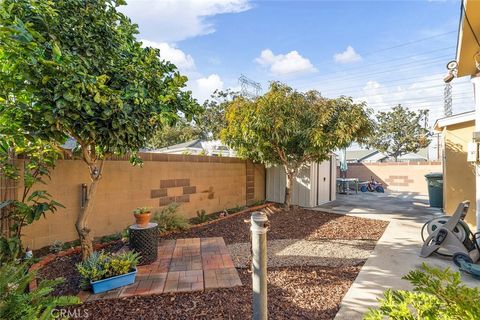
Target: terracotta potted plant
142 216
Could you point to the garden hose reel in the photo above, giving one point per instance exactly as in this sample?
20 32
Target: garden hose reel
452 235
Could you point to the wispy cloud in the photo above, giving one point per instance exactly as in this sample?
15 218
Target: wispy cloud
176 20
203 87
285 64
169 52
347 56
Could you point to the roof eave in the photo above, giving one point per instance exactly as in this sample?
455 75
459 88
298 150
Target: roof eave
467 46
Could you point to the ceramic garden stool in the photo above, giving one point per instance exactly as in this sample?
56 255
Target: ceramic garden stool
144 240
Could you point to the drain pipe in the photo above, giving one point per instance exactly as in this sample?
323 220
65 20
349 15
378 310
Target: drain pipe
259 228
476 136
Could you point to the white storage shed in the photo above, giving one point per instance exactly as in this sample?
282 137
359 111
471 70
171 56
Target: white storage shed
315 184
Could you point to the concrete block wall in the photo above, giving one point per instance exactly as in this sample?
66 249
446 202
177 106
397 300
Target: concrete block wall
195 182
396 176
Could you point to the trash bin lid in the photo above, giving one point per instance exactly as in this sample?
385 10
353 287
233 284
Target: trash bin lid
434 175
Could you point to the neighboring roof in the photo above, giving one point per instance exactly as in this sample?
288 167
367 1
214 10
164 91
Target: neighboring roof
467 46
359 155
421 154
192 144
455 119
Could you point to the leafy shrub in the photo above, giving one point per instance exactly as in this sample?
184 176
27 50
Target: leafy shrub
257 203
17 303
438 294
57 246
102 265
115 236
169 220
201 217
237 208
10 249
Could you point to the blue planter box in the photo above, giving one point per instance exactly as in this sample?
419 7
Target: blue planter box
114 282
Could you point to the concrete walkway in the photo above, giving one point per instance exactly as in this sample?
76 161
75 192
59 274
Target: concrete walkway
397 251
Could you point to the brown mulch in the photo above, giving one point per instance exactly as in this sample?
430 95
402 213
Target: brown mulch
291 224
299 292
66 267
293 293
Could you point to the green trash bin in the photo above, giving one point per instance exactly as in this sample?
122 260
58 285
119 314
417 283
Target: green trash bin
435 189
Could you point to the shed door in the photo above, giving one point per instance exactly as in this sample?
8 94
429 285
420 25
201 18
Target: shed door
323 182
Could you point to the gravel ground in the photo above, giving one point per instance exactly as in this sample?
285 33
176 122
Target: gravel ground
294 252
293 293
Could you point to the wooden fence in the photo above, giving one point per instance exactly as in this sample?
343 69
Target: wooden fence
8 191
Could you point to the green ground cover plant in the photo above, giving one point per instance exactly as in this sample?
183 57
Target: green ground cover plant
438 294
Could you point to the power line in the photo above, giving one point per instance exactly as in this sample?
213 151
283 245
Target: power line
396 86
388 60
420 63
363 66
408 43
430 99
464 93
388 81
424 98
439 86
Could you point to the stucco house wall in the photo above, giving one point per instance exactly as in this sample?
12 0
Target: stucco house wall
459 175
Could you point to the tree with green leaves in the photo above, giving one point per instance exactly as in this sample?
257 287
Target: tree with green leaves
207 125
212 120
289 128
168 135
400 131
36 158
87 77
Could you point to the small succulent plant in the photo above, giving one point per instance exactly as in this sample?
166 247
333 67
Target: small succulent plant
141 210
102 265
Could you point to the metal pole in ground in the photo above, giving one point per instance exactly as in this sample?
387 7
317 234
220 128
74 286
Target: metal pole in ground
259 228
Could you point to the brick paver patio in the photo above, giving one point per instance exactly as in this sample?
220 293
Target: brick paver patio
182 265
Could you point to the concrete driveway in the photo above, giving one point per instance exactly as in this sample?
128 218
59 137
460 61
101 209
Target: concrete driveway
383 206
397 251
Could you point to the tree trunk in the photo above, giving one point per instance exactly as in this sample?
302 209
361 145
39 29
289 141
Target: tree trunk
289 189
86 240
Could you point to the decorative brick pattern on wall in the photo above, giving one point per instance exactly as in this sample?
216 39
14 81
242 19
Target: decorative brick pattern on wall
399 181
396 176
169 191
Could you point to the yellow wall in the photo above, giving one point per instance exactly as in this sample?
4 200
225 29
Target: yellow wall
214 183
459 177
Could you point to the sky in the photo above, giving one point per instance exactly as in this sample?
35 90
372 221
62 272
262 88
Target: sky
382 52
